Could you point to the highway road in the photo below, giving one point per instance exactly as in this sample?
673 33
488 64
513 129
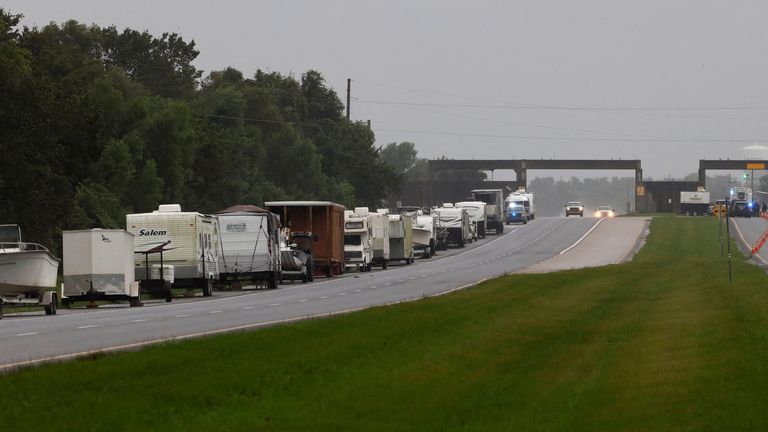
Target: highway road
29 339
747 232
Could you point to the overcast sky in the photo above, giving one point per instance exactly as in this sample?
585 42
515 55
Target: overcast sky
668 82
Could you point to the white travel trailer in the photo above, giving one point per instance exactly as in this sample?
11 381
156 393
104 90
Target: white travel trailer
358 239
175 249
456 222
250 245
477 216
99 265
380 227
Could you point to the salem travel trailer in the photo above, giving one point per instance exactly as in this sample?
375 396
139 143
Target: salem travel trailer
175 249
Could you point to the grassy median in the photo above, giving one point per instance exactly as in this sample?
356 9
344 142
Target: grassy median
661 343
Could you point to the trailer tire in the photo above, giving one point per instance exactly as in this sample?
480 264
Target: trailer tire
384 265
501 229
272 281
51 308
135 302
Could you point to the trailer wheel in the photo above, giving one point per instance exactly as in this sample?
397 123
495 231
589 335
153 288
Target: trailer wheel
135 302
384 265
207 288
51 308
695 213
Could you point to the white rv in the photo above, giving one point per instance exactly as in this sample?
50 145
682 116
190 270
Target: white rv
477 216
175 249
380 227
358 239
456 222
250 245
99 265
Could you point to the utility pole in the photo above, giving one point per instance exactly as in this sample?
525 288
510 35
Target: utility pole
349 90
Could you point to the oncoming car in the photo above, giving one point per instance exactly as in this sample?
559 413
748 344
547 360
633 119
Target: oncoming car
605 211
574 208
740 208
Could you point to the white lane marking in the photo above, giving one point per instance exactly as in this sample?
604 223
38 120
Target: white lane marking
358 290
412 278
138 320
388 283
274 304
323 297
181 316
342 293
249 307
87 326
303 300
373 286
214 312
26 334
582 237
400 281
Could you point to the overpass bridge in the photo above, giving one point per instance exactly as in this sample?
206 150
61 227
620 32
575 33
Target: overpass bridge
650 196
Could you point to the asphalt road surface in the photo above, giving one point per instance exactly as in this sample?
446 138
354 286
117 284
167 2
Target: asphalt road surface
28 339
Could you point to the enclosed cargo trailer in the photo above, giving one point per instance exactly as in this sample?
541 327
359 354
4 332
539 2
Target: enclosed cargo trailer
325 221
99 265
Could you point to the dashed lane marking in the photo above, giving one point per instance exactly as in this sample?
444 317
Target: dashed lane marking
87 326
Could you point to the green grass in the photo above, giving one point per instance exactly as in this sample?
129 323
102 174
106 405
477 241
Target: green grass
661 343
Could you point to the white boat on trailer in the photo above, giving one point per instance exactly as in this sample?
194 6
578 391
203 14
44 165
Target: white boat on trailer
28 272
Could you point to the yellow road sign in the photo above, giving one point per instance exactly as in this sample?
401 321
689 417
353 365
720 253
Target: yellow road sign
757 166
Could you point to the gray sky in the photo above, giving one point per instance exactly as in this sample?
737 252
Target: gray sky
507 64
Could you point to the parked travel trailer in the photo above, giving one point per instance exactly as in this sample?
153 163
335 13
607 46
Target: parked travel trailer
175 249
401 238
494 209
99 264
249 238
324 222
28 272
380 227
456 221
477 216
358 239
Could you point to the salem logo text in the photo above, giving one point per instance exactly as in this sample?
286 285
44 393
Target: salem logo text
152 232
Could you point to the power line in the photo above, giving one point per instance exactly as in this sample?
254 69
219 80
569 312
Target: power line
550 138
564 108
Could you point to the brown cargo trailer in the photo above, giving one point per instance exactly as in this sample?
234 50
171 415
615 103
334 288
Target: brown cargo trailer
324 220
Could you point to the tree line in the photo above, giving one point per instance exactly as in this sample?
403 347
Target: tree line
96 123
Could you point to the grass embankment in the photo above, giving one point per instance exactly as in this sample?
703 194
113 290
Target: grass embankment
661 343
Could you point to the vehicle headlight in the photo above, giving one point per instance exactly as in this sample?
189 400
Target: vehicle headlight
610 214
597 214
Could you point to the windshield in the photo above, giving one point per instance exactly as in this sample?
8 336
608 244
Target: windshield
574 204
604 208
9 234
352 240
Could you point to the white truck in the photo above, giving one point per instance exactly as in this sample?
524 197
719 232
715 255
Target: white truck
494 209
694 203
99 265
175 249
358 239
456 222
380 228
249 238
517 200
477 216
